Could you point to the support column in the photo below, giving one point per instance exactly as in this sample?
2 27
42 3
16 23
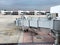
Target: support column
57 41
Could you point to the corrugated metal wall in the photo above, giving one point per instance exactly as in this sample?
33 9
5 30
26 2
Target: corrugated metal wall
35 22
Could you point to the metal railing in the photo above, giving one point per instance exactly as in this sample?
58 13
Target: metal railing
28 43
41 43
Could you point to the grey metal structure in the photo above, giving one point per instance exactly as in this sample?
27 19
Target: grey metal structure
56 25
56 31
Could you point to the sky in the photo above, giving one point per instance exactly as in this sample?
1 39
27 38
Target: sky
28 4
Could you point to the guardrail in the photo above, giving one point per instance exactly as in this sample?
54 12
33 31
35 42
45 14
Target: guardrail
40 43
45 43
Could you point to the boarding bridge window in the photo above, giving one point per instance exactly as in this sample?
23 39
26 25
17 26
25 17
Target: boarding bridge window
26 13
7 13
15 13
23 13
40 13
56 14
30 13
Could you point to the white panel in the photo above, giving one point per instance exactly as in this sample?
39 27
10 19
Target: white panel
41 24
20 23
26 23
16 22
44 24
33 23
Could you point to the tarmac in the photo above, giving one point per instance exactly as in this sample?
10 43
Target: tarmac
9 33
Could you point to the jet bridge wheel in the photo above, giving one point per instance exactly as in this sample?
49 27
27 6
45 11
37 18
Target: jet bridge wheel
26 30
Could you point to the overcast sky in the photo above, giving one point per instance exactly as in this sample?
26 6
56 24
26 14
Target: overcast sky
28 4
